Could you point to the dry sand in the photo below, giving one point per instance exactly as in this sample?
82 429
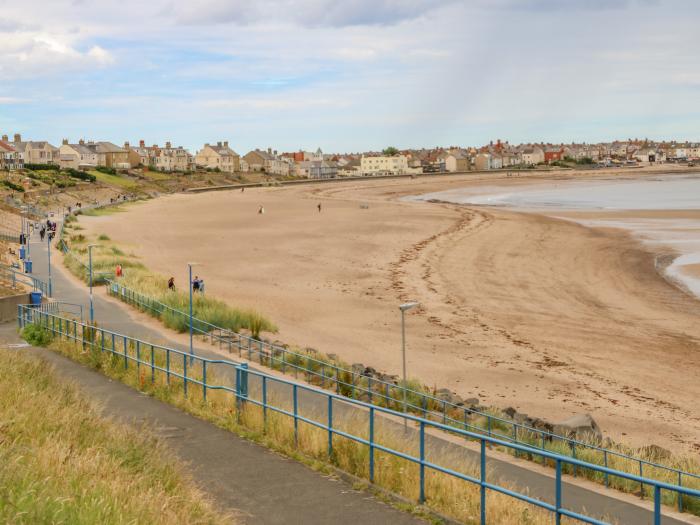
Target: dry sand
541 314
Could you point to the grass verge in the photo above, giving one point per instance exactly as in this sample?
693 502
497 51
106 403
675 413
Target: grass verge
60 462
446 495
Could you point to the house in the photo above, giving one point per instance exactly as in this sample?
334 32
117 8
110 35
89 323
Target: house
34 152
553 154
77 156
646 155
267 161
219 156
488 161
317 169
458 160
532 155
110 155
172 158
10 158
384 165
349 167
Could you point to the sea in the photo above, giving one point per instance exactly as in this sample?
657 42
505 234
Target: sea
658 193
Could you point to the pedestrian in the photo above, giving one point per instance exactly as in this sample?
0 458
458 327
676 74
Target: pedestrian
171 284
118 270
319 207
242 189
261 210
195 284
52 234
201 286
42 233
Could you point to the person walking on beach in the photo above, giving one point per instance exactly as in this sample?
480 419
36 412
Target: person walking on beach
171 284
195 284
261 210
42 233
118 270
319 207
201 286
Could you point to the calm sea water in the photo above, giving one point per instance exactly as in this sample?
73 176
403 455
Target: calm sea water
670 192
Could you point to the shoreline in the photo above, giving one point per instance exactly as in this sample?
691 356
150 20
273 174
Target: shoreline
333 283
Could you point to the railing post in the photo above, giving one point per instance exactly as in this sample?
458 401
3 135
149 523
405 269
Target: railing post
657 505
369 389
371 445
421 446
167 365
330 427
483 481
204 381
680 494
558 493
126 356
573 453
153 365
641 483
138 357
296 421
264 402
114 348
605 464
184 374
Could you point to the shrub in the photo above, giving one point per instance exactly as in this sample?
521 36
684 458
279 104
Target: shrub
103 237
40 167
105 169
36 335
13 186
77 174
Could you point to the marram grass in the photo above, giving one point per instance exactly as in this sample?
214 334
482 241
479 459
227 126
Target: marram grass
60 462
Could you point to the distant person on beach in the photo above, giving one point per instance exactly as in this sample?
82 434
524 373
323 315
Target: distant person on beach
319 207
261 210
242 190
201 286
195 284
42 233
118 271
171 284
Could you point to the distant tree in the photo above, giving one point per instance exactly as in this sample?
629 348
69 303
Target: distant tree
390 151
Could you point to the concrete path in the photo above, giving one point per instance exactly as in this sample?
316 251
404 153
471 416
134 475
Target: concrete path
260 486
579 496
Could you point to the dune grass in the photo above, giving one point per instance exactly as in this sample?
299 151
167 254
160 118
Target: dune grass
115 180
446 495
60 462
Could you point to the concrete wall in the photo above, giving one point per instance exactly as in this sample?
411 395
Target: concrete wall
8 306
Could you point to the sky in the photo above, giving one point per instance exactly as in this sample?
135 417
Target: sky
349 75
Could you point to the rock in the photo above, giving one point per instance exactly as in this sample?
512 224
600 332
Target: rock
310 350
510 412
541 424
358 368
472 402
333 357
580 426
655 452
369 371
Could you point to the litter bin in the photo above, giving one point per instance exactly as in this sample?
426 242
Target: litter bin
27 266
35 298
22 252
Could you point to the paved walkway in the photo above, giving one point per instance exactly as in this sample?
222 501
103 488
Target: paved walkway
580 497
261 486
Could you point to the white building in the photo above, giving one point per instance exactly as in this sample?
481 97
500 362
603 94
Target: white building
394 165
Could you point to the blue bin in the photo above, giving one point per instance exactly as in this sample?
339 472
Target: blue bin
22 252
27 266
35 298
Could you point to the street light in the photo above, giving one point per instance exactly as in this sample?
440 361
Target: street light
92 308
190 265
404 307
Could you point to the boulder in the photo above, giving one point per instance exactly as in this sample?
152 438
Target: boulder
333 357
472 402
510 412
358 368
369 371
580 426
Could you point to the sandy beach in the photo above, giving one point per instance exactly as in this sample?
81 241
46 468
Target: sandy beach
519 309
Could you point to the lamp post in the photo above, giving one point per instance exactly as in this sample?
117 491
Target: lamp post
404 307
92 308
48 252
189 266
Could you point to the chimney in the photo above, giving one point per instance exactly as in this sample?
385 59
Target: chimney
167 144
269 150
218 144
126 145
275 153
226 144
4 138
81 142
65 142
18 137
142 143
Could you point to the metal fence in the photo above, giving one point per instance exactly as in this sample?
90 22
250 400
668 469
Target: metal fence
236 378
358 384
14 276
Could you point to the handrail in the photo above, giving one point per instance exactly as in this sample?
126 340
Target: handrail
377 390
99 338
30 280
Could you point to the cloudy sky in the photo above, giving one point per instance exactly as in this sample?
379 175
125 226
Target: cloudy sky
349 75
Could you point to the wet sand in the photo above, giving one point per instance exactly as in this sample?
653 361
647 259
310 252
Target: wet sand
519 309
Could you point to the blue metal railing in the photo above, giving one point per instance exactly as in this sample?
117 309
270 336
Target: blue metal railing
15 276
355 384
143 354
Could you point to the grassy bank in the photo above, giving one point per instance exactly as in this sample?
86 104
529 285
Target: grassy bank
446 495
106 255
60 462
